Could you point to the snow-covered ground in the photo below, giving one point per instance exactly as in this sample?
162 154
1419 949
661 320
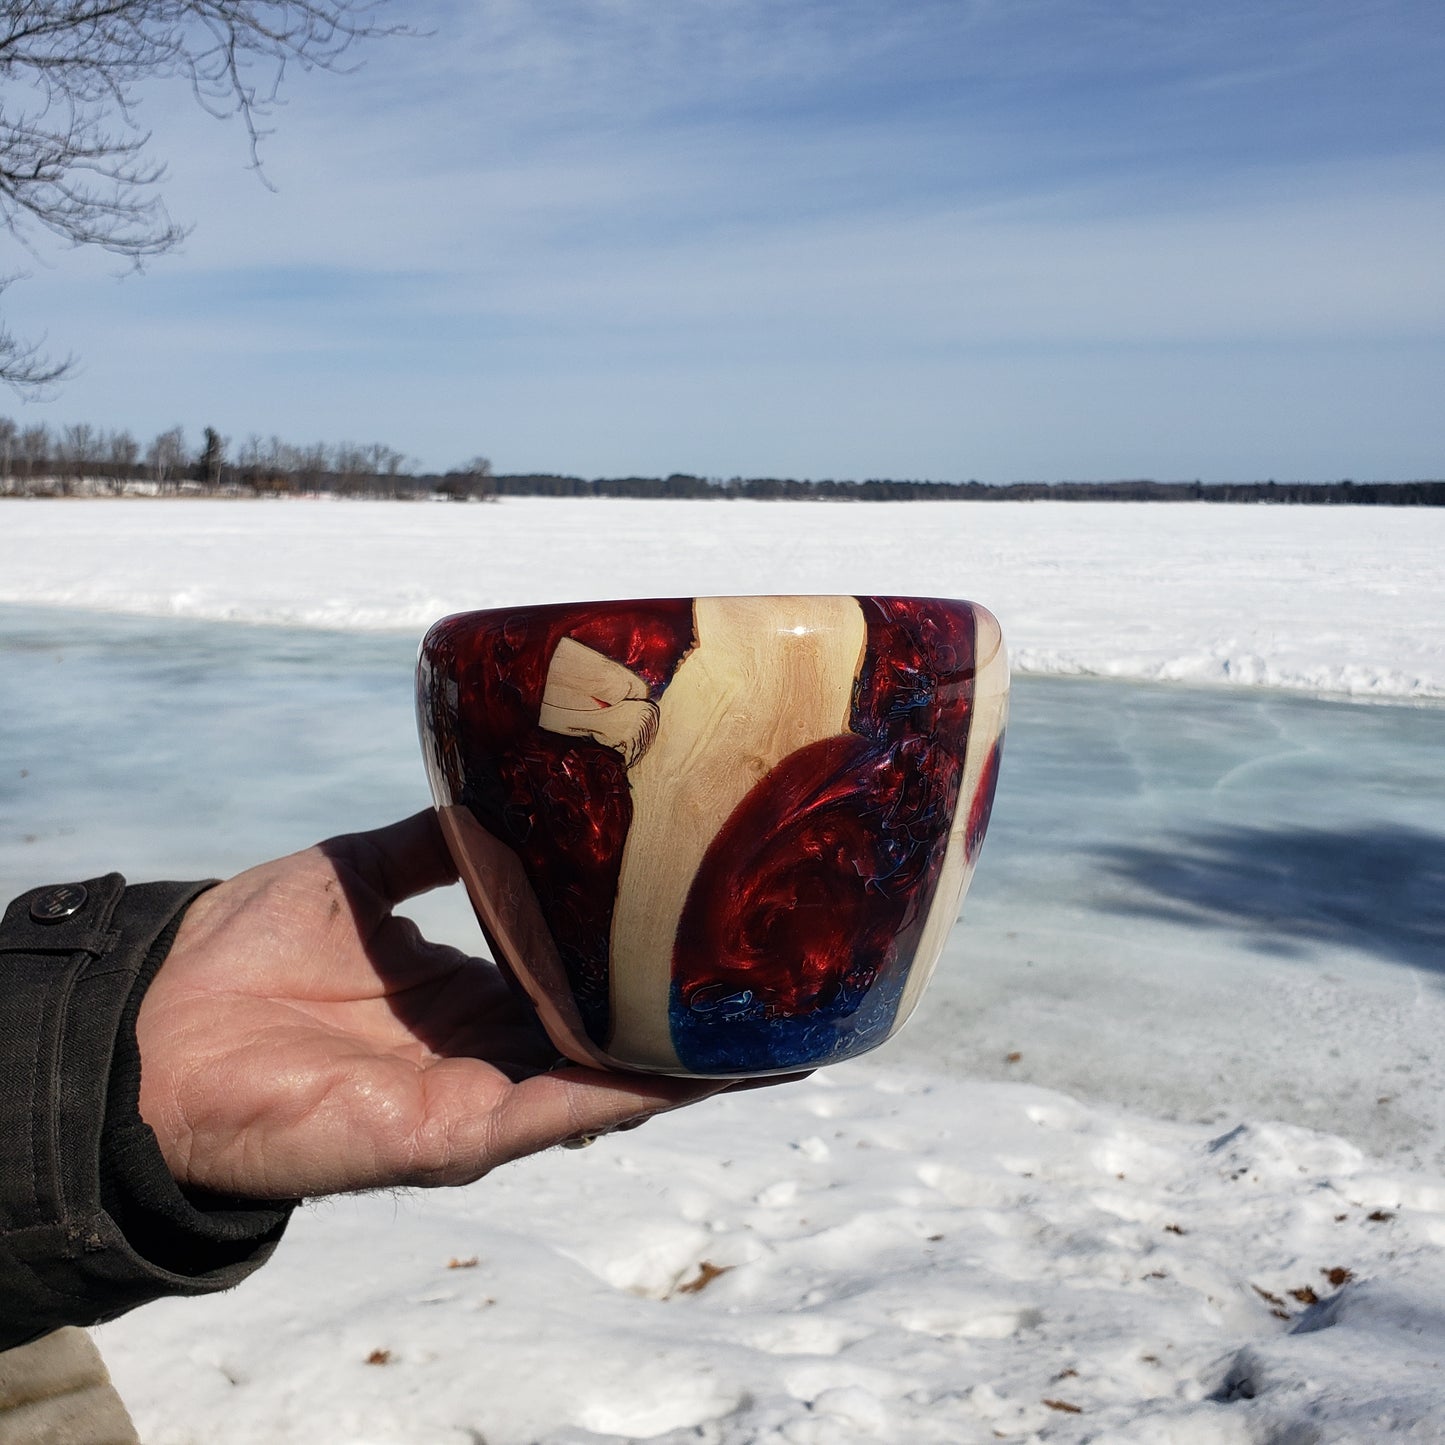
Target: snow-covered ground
1159 1159
871 1256
1343 600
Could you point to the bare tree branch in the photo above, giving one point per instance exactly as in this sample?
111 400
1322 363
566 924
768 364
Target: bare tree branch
72 158
24 366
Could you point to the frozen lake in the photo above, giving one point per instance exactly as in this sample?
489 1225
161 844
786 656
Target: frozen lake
1159 1157
1196 903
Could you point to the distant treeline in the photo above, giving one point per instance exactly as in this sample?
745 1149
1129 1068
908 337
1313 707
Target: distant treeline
86 461
1370 494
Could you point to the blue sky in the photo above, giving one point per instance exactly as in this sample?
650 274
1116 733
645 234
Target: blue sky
987 238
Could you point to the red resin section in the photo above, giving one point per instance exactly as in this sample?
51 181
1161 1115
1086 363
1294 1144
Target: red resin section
561 803
980 809
803 892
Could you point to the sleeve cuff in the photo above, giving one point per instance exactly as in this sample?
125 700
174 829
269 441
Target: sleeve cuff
91 1222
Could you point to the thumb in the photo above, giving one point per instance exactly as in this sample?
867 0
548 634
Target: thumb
397 861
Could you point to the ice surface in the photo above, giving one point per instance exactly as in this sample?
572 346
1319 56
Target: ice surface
1323 599
167 747
1211 905
1160 1157
1205 904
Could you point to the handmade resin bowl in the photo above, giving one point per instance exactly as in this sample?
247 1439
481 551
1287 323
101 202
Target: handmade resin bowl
717 836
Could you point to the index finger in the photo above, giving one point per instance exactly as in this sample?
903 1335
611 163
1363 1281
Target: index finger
549 1109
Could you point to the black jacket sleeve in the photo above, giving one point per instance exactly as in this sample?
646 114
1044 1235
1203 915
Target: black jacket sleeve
91 1222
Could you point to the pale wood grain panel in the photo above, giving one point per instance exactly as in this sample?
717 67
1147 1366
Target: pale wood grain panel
767 676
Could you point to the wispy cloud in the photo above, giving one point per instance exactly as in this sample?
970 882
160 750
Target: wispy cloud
693 194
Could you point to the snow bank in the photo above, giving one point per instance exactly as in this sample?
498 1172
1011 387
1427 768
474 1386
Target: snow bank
1347 600
866 1257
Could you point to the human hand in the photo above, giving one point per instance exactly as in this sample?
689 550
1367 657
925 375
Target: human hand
300 1039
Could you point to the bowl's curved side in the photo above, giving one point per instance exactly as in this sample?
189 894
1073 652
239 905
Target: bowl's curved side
517 933
982 757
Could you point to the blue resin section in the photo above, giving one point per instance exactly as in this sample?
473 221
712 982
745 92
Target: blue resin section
735 1036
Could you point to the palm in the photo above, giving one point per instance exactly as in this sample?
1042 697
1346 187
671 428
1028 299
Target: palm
301 1039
